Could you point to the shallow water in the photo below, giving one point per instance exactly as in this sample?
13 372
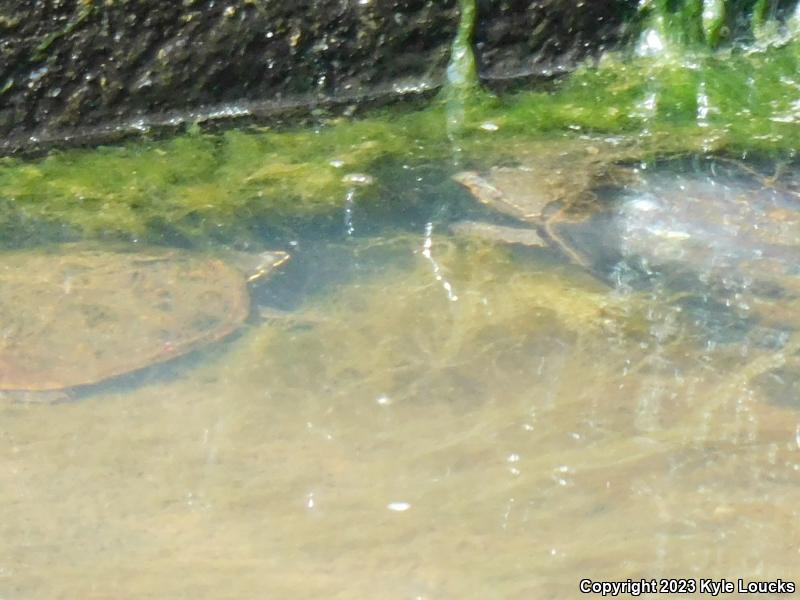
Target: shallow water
437 418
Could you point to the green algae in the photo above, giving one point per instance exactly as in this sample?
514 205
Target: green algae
203 187
539 302
189 187
713 20
737 102
710 23
462 72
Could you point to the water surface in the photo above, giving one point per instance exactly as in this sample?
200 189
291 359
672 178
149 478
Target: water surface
437 418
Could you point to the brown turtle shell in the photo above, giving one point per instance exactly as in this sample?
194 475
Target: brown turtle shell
72 316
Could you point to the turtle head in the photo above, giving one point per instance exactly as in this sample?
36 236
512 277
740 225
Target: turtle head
257 266
264 263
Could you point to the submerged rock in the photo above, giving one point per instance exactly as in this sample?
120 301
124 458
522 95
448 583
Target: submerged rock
78 70
85 70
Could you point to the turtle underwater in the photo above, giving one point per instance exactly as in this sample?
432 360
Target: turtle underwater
76 315
550 189
706 230
715 239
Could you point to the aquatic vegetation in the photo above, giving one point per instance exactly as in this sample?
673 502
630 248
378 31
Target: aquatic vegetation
192 187
484 402
502 305
679 98
711 23
737 103
462 72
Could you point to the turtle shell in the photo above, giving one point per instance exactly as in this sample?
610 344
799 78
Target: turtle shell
717 220
712 229
73 316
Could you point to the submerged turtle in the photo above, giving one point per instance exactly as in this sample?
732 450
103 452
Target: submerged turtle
711 227
715 239
75 315
552 185
718 217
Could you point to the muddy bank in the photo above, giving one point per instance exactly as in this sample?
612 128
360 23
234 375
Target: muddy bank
90 70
